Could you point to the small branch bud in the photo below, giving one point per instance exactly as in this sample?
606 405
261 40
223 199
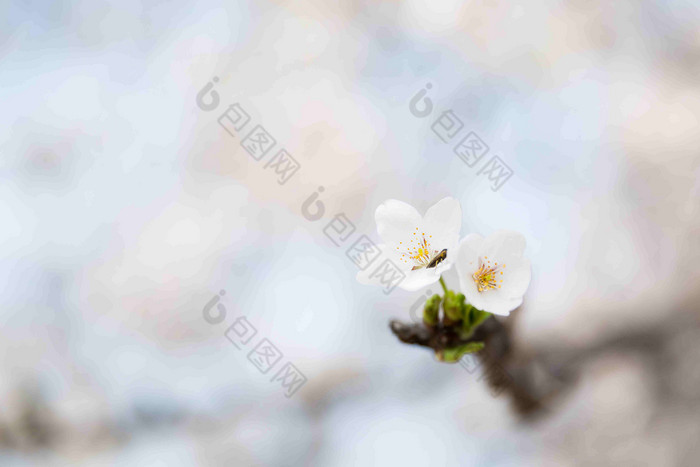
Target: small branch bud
431 311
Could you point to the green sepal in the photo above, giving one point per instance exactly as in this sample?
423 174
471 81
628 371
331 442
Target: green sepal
453 354
431 310
474 317
478 317
453 306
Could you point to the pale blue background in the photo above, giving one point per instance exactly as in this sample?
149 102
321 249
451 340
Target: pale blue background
125 208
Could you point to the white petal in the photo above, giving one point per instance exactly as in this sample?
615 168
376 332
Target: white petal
445 265
445 216
419 278
363 276
497 304
414 280
494 301
516 277
467 257
449 242
469 249
442 223
467 262
396 220
505 247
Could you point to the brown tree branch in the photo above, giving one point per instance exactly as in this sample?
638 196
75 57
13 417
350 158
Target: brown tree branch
535 377
497 363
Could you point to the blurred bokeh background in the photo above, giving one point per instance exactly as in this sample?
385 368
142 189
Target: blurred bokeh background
125 208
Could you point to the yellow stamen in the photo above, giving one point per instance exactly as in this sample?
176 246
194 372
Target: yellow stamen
485 276
421 254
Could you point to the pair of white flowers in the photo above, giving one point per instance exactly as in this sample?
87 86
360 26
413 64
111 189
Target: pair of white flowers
493 275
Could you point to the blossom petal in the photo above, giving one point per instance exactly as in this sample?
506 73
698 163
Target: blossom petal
497 304
505 247
442 224
419 278
400 226
496 301
516 276
467 258
469 247
396 220
414 280
444 216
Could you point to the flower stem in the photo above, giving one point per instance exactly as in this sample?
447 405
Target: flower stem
442 283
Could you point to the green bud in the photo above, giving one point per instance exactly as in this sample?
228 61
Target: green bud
431 311
467 312
461 299
478 317
453 354
473 318
452 307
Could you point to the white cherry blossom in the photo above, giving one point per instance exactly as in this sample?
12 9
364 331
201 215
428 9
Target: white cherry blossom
493 274
423 247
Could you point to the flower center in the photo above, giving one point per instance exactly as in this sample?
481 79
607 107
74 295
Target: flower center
418 252
488 275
